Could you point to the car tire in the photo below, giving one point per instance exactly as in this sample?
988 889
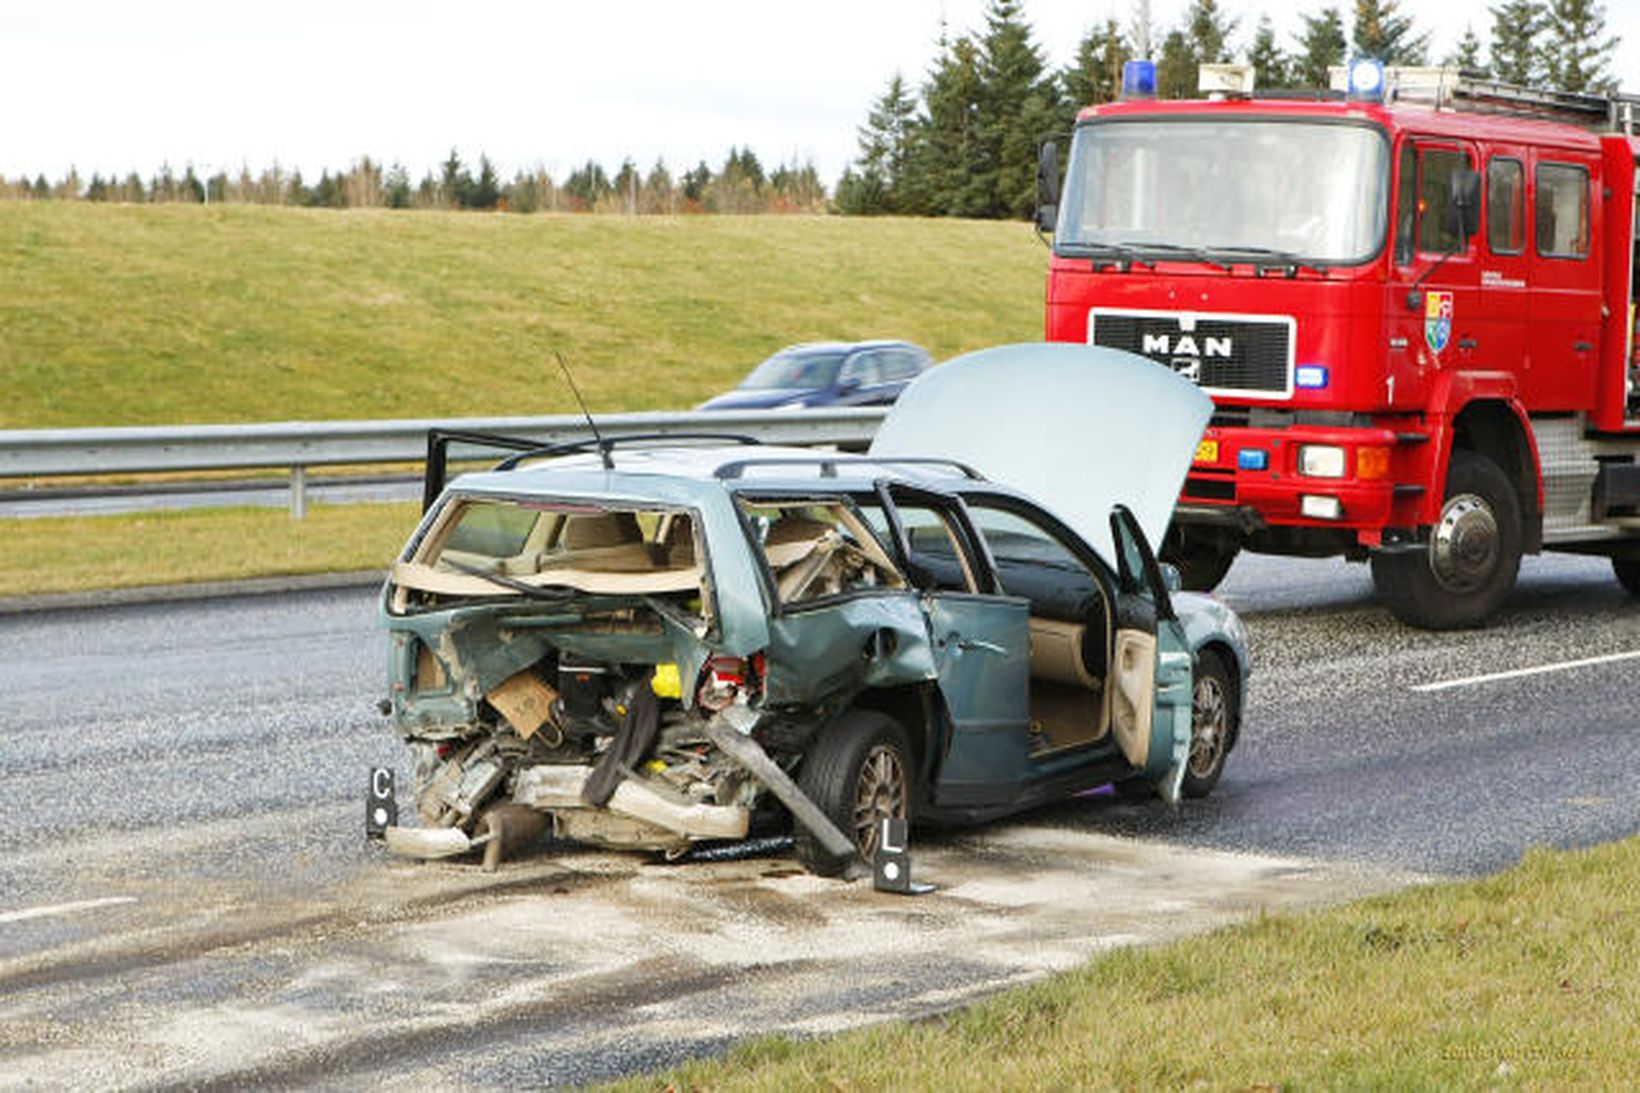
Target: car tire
1202 558
857 771
1462 576
1213 707
1628 574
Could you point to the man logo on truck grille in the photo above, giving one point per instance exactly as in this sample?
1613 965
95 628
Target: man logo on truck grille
1437 320
1184 353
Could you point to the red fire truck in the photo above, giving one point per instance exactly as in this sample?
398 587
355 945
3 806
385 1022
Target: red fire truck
1412 303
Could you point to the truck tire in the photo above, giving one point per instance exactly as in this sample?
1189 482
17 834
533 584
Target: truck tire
1628 574
858 772
1463 574
1201 557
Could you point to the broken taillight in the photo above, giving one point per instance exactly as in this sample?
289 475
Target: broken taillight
721 680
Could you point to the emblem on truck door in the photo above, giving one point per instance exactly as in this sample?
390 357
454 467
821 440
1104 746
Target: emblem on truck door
1437 320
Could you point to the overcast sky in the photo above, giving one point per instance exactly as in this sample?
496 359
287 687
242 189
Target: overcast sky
112 87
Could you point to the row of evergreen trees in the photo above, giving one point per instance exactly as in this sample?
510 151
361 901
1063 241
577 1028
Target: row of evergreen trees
965 146
740 185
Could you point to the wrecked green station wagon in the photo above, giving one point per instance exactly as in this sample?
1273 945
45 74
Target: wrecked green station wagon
657 644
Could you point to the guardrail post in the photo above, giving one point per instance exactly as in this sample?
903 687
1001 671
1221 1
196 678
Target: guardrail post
298 492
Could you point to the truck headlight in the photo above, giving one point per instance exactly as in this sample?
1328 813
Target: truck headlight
1321 461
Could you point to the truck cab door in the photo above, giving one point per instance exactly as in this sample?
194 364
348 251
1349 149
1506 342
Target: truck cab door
1433 312
1150 672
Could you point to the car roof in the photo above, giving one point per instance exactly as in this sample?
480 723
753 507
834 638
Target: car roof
812 348
673 473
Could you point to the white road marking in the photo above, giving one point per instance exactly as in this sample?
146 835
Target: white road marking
1493 677
63 908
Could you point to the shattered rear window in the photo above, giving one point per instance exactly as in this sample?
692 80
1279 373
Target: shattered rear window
505 547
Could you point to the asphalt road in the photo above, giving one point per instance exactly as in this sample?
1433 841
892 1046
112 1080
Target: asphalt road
185 895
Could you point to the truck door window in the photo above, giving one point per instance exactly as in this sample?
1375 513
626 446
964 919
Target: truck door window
1562 210
1437 228
1505 206
1406 208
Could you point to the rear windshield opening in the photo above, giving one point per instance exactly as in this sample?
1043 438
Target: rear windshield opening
506 547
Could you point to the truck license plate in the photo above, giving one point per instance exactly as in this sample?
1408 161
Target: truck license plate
1207 451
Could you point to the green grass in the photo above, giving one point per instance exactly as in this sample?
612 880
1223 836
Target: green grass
79 553
127 315
1526 979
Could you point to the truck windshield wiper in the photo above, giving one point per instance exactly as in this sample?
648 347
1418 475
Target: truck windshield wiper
1200 254
501 580
1268 256
1120 252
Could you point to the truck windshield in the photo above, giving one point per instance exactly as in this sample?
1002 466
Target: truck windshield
1234 189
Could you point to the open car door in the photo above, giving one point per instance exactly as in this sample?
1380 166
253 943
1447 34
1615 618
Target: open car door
1150 672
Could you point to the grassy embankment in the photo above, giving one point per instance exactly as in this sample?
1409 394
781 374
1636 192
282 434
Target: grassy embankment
116 315
1527 979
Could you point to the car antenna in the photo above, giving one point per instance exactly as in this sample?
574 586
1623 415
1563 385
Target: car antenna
603 445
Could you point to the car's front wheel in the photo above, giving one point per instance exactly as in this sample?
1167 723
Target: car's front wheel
1212 724
858 773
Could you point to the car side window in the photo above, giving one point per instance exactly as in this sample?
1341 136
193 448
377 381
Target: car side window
900 364
862 369
818 549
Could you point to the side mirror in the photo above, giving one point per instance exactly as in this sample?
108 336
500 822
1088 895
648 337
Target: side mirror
1047 186
1466 202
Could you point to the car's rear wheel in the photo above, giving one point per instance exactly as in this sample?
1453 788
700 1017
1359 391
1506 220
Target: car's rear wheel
858 773
1212 724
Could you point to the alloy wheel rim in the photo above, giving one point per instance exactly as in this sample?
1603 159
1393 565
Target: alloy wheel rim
880 795
1210 717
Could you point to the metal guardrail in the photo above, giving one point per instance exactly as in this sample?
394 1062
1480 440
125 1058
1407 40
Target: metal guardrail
298 445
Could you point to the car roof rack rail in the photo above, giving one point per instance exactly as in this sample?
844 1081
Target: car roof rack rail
610 443
436 469
828 464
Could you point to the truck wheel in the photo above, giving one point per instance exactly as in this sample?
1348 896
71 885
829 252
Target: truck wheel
857 772
1628 574
1212 725
1201 557
1473 554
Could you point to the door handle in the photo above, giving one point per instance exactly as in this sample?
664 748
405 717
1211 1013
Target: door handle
969 644
1582 347
1467 343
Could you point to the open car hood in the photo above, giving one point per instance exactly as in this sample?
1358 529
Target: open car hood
1079 428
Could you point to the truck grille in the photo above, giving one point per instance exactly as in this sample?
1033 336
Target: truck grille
1230 353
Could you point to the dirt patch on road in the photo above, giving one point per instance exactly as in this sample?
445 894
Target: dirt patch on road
571 965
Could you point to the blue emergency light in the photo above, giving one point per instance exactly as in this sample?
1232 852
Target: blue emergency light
1138 79
1366 79
1253 459
1312 376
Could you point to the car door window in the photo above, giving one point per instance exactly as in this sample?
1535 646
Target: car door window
939 554
1137 571
862 370
818 550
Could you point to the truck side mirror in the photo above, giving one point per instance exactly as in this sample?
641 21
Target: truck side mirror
1466 201
1047 186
